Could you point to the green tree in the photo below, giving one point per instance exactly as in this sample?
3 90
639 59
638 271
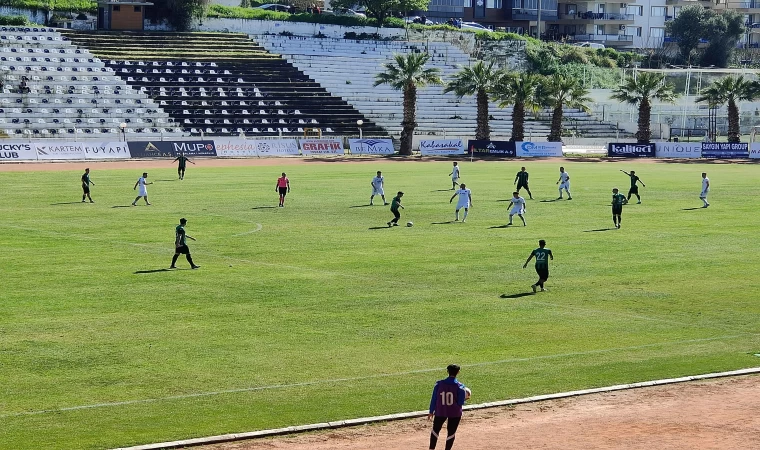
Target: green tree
731 90
477 80
519 90
640 89
380 9
180 13
687 29
722 31
558 92
407 74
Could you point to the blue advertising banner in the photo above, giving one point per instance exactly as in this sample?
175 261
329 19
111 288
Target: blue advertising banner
171 149
491 148
725 150
629 150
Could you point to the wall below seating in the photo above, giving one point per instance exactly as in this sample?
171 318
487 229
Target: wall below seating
34 15
297 28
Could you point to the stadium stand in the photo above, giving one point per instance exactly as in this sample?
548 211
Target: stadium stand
221 84
325 60
53 89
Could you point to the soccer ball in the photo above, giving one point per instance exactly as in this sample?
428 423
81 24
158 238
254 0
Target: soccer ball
410 224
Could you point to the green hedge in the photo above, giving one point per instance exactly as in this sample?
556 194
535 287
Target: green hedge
480 35
57 5
547 57
13 20
236 12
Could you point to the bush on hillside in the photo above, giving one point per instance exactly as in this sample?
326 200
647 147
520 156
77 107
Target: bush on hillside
234 12
591 76
576 55
545 57
13 20
59 5
501 36
603 61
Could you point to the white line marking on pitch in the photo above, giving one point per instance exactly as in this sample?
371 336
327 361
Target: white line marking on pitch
258 225
416 414
363 378
258 228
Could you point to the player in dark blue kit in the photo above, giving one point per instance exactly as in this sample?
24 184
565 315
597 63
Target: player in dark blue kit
449 396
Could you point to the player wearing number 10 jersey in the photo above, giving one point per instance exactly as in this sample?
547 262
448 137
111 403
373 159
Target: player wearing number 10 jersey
542 255
449 396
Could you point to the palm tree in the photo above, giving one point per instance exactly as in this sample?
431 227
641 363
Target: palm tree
407 74
477 80
731 90
519 90
558 92
639 90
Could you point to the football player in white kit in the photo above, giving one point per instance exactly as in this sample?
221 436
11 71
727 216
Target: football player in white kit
564 183
378 188
518 207
705 189
465 201
454 176
142 183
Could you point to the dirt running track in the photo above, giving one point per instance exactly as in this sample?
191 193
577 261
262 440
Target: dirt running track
719 414
230 162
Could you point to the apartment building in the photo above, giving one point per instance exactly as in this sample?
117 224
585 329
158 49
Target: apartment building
614 24
751 11
620 25
519 16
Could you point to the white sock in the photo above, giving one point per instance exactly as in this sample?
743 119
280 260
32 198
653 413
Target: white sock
465 214
568 193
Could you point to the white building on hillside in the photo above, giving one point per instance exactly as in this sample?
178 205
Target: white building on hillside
615 24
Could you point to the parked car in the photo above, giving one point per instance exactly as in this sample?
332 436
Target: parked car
594 45
474 26
345 12
274 7
416 19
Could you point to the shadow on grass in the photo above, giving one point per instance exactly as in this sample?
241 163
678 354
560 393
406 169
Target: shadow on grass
521 294
600 229
380 228
158 270
500 226
552 200
442 190
163 181
66 203
693 209
122 206
264 207
361 206
442 223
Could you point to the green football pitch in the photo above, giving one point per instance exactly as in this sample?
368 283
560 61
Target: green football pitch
317 311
